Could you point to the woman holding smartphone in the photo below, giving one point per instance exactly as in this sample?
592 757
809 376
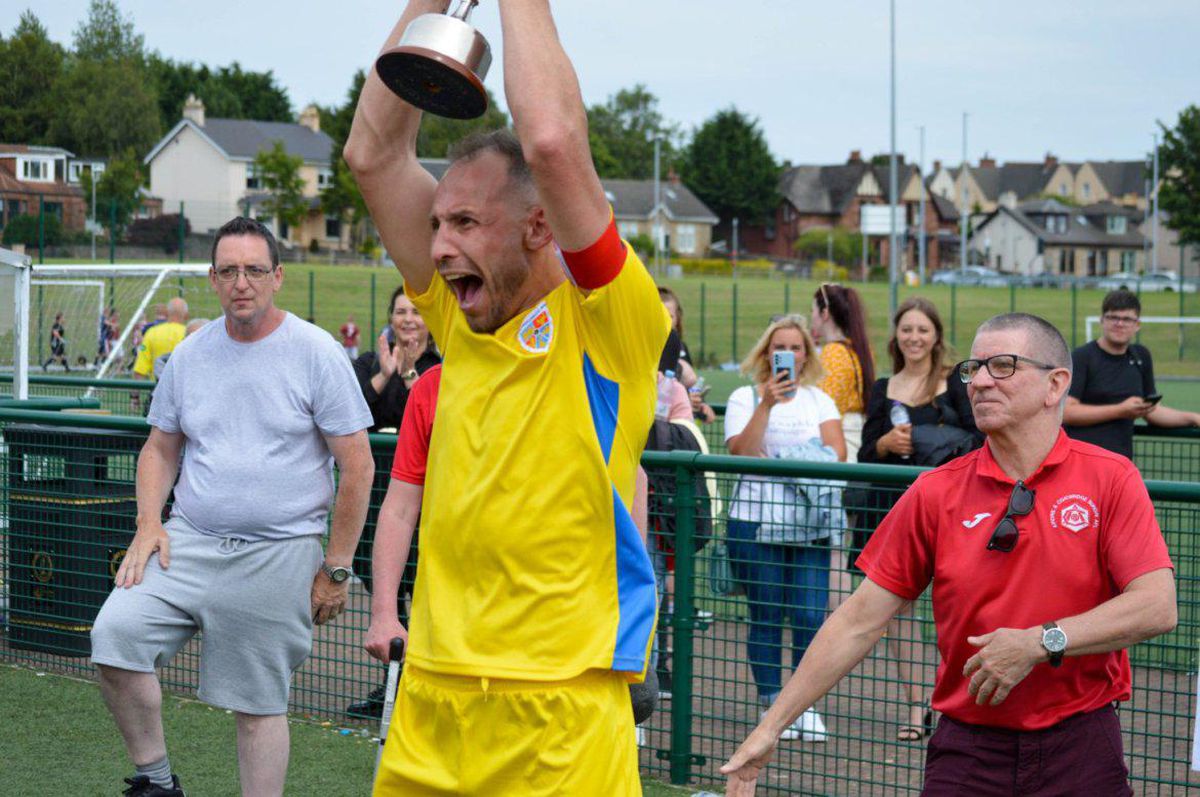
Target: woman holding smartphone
782 412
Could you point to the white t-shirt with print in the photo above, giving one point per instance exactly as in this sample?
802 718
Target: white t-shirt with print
790 423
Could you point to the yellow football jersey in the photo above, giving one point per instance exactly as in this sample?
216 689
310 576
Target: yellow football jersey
530 565
159 339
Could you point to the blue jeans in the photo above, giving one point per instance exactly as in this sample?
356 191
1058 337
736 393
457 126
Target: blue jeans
783 583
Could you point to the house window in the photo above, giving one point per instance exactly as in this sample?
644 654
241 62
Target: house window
627 229
1116 225
253 181
1101 262
685 237
1064 189
1128 261
333 227
76 171
37 170
54 209
324 177
1086 190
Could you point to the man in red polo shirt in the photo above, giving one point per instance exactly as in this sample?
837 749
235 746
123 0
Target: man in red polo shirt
1046 561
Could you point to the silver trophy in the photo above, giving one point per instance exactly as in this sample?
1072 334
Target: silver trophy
439 64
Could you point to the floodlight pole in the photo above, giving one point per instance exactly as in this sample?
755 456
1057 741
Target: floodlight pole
963 217
893 242
921 213
657 213
1154 223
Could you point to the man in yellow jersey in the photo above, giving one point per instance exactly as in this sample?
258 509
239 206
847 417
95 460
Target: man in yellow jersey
161 338
534 601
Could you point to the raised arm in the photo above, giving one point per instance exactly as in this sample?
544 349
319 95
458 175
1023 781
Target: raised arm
547 109
382 153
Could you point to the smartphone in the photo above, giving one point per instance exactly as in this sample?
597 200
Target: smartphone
700 388
1154 398
784 362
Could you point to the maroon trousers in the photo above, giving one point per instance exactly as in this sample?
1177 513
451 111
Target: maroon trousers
1082 755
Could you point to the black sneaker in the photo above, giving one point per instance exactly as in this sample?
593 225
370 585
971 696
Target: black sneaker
371 708
141 786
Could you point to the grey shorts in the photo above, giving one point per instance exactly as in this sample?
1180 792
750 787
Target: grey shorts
251 601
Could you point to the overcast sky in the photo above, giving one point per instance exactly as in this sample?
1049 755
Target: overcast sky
1081 80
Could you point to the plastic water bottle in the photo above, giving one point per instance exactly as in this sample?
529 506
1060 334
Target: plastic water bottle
666 388
899 415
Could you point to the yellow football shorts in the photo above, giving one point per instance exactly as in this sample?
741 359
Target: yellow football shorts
456 735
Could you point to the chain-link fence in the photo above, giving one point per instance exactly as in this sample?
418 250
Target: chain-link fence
67 513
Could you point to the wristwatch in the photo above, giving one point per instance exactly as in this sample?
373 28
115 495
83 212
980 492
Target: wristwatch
1054 640
411 373
336 574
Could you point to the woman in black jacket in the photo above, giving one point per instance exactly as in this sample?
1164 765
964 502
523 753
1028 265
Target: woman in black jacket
921 383
403 352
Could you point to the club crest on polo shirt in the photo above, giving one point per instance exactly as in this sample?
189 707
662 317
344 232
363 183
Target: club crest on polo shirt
1075 513
537 330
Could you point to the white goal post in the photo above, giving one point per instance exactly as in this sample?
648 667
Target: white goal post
14 277
1146 319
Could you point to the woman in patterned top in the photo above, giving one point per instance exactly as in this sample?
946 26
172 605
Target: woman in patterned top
839 324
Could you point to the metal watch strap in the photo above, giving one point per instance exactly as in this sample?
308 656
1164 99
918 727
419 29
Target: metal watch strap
329 572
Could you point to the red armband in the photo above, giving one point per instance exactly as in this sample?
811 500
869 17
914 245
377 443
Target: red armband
600 263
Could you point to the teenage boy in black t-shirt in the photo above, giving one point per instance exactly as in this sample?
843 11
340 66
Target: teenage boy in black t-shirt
1112 379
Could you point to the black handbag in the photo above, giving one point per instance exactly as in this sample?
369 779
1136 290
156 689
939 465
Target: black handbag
937 443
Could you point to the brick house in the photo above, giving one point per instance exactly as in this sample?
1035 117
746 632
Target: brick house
33 177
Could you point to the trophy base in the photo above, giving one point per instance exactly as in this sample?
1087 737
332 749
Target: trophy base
432 82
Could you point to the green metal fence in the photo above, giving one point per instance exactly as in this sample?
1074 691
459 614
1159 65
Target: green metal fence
66 515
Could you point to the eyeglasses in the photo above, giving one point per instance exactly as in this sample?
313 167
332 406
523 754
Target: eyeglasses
253 273
1020 504
1000 366
1120 320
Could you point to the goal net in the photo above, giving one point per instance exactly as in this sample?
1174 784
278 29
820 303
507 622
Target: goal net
87 319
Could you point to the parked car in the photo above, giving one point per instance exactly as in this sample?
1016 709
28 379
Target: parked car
1152 282
971 275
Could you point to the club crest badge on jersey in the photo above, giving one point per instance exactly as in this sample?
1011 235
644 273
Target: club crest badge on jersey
1075 513
537 330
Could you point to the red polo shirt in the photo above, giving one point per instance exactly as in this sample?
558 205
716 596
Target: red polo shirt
1092 531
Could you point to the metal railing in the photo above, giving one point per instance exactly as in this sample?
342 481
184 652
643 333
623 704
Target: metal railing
66 515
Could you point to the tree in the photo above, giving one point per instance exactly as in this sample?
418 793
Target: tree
730 167
438 134
106 103
279 174
622 132
30 67
118 190
228 92
815 244
1179 162
26 229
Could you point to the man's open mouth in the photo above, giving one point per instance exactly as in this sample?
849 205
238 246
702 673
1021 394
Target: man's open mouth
467 289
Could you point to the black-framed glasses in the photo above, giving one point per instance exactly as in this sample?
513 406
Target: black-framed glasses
1120 320
1020 504
253 273
1000 366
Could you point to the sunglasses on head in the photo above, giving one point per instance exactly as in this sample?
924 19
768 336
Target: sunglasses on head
1020 504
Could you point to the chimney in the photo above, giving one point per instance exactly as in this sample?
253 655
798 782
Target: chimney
1051 162
855 156
937 167
987 162
310 117
193 110
672 176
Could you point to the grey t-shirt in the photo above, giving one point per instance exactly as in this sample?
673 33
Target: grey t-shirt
255 462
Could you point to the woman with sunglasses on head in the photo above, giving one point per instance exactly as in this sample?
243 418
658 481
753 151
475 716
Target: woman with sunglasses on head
922 386
782 563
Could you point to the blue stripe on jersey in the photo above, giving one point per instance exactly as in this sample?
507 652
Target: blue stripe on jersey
635 593
635 575
604 396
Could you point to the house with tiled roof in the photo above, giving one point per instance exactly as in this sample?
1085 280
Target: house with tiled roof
34 178
832 196
687 222
1122 182
207 164
1046 236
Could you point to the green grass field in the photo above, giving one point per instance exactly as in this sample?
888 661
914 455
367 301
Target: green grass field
58 738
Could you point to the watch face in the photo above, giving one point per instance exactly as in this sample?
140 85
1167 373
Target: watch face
1054 640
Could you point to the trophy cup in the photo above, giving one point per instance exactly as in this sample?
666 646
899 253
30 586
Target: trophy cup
439 64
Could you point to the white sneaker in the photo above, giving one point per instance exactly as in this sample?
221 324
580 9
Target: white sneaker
790 734
810 727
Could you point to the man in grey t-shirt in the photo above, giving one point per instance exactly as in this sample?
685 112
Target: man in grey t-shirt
259 404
